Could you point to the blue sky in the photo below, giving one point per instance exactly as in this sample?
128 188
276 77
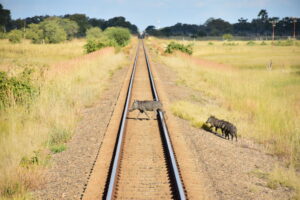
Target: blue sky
159 13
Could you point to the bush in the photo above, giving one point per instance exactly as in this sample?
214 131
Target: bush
180 47
263 43
210 43
16 90
227 37
114 36
120 35
15 36
94 45
283 43
53 32
230 44
35 34
251 43
94 33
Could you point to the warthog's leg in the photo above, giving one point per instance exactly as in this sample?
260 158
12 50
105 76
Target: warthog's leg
147 115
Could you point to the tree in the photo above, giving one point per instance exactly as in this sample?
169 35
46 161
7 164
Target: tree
4 18
35 33
52 31
120 35
263 15
15 36
82 21
94 33
70 27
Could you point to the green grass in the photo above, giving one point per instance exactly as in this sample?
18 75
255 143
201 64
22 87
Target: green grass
58 148
264 104
71 82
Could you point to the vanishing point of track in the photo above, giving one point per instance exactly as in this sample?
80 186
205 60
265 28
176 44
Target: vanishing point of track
143 163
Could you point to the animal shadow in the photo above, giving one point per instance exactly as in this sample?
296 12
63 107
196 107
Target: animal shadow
208 129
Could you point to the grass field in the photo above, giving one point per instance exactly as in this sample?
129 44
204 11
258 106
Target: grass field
235 84
69 82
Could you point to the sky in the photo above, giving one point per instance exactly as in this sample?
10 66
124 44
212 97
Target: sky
159 13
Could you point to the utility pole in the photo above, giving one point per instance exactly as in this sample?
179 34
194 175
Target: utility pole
273 22
295 21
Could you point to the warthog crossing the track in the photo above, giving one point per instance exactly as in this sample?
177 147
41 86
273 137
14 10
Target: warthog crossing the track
227 128
144 106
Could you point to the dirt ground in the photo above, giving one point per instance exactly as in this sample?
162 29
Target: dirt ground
230 169
70 170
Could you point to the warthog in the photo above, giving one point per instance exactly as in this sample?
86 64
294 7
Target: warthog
227 128
144 106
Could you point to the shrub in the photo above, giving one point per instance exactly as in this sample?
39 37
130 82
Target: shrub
251 43
94 33
16 90
120 35
263 43
227 37
52 31
94 45
180 47
35 33
15 36
230 44
210 43
114 36
283 43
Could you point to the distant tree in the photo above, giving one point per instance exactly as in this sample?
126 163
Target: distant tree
71 27
52 31
227 37
4 18
100 23
263 15
118 34
121 22
83 22
94 33
35 33
15 36
217 27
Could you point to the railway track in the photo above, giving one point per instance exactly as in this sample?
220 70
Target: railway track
142 164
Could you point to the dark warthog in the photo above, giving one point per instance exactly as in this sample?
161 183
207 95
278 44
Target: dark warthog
144 106
227 128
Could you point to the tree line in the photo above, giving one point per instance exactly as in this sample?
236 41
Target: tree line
260 26
82 21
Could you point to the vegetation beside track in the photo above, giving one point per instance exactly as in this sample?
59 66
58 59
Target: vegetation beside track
253 86
67 81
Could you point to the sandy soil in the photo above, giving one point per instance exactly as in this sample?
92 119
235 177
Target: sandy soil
227 167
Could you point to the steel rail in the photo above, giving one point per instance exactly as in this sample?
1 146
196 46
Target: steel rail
179 189
117 155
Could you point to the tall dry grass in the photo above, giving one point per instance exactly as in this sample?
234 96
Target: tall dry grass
27 132
264 104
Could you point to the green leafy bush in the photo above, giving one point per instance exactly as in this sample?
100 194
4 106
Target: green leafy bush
283 43
227 37
114 36
263 43
120 35
35 33
15 36
172 46
94 33
16 90
251 43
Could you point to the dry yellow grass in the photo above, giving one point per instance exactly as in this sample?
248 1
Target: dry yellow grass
264 104
66 87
